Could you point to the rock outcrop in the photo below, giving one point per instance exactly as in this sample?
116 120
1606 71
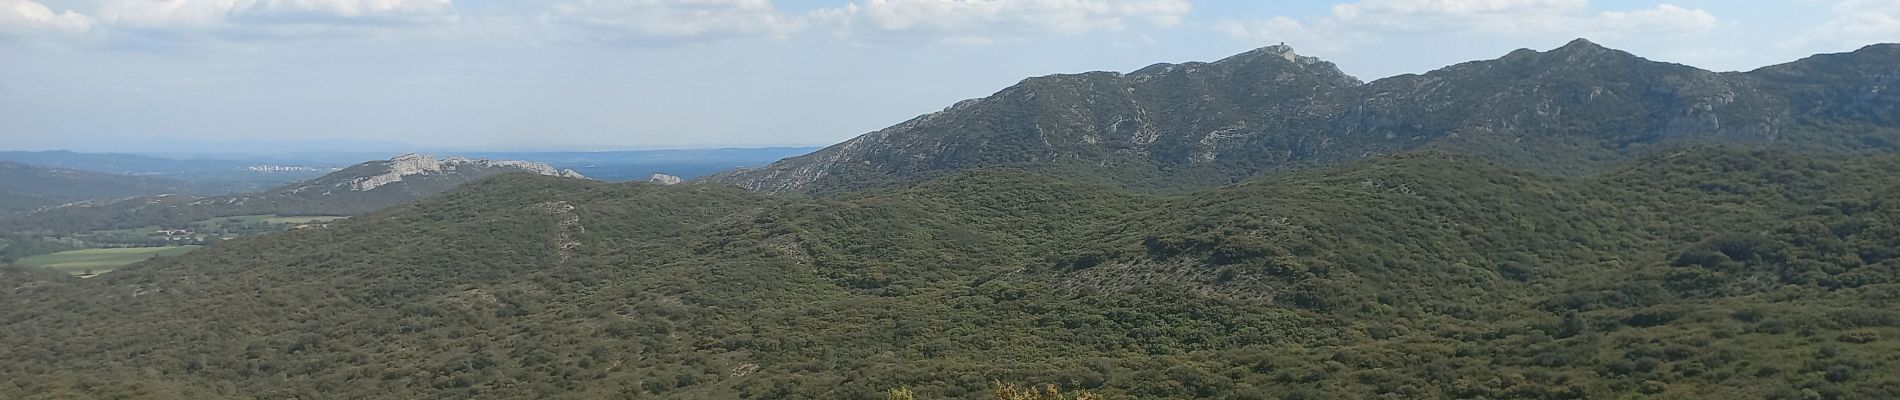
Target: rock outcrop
664 179
421 164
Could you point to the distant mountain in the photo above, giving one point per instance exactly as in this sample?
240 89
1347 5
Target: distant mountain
117 163
26 187
379 184
355 190
1576 108
629 165
247 172
231 175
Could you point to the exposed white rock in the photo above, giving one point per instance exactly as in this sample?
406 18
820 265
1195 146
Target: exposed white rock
421 164
565 229
665 179
1285 52
401 166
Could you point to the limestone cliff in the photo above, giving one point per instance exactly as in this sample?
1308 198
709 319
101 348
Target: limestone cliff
409 165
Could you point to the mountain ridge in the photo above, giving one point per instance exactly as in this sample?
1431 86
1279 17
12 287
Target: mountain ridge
1191 125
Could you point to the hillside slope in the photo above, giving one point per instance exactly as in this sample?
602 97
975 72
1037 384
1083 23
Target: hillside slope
1698 273
355 190
1574 109
230 176
25 188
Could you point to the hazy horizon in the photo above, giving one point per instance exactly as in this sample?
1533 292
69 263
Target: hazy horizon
502 75
196 147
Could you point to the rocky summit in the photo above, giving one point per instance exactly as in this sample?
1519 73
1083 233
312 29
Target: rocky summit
409 165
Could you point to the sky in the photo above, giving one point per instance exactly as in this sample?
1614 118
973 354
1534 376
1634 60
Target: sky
127 75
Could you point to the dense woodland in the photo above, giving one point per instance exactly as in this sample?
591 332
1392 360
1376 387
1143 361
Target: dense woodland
1709 272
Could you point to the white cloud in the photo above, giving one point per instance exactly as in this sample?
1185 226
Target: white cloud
27 17
641 22
949 21
1282 29
359 8
1372 20
209 14
982 20
670 21
1856 22
1665 18
167 14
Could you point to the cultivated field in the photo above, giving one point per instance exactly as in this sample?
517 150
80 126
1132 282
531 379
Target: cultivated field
98 261
224 222
301 220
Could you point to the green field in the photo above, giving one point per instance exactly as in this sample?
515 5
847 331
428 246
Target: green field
301 220
221 226
266 218
270 218
98 261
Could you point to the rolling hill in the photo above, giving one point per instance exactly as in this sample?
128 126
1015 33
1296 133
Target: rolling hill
628 165
229 176
240 171
25 188
1706 272
355 190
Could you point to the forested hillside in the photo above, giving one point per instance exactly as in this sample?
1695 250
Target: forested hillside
1704 272
1575 109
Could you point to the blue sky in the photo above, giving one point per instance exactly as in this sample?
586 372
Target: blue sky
121 75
